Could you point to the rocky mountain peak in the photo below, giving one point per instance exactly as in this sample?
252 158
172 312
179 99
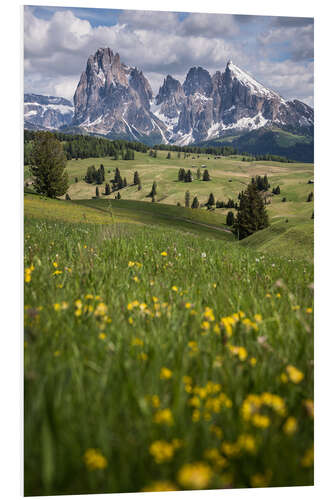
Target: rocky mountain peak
171 87
198 80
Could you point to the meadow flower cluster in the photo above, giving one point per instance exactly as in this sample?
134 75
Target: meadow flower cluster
187 377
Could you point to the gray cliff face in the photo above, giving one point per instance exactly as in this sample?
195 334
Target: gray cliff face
46 112
113 99
116 100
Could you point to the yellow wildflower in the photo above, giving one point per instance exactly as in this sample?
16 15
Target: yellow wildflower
196 415
230 449
136 279
165 373
164 254
295 375
56 272
55 264
131 263
290 426
307 460
296 308
247 443
161 486
102 336
308 403
195 476
56 353
57 307
162 451
187 379
208 314
260 480
261 421
101 309
308 310
137 342
205 325
174 288
155 401
163 417
94 459
253 361
130 320
283 378
258 318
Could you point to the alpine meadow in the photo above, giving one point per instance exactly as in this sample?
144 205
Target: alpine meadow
168 262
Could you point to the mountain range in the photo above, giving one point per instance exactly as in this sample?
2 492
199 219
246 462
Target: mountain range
117 101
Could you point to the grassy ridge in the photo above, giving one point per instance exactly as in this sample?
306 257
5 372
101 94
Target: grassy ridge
116 315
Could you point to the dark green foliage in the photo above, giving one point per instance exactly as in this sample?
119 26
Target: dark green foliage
97 192
276 190
284 199
118 196
206 176
199 174
187 199
251 214
67 197
124 182
181 174
188 176
153 190
310 197
211 200
261 183
195 202
107 189
230 218
76 179
136 179
48 165
168 156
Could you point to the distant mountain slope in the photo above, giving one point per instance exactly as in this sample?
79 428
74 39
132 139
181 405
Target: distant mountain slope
46 112
271 141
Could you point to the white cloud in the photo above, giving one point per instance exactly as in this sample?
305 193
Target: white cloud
56 51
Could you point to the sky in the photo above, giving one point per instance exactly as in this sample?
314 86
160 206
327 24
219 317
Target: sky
276 51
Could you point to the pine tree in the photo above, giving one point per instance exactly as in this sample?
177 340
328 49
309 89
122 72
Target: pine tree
169 156
124 182
187 199
211 200
97 192
310 197
76 179
188 176
206 176
107 189
153 199
118 196
153 189
48 165
67 197
251 214
181 174
230 218
136 179
198 174
195 202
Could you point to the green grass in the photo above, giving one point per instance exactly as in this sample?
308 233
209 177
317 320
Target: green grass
84 391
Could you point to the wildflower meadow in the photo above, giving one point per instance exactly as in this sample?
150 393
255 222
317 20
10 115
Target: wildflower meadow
157 360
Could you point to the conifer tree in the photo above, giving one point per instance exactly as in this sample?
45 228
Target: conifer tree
139 185
211 200
310 197
230 218
67 197
97 192
195 202
206 176
153 189
169 156
48 165
107 189
136 179
251 214
198 174
187 199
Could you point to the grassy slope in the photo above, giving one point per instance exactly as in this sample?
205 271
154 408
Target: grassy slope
83 390
292 179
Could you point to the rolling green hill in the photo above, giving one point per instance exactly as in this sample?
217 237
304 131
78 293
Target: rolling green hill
271 141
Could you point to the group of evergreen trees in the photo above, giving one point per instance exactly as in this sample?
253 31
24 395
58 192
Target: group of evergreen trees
93 175
118 182
137 180
251 214
261 183
276 190
85 146
265 157
226 204
209 150
184 176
